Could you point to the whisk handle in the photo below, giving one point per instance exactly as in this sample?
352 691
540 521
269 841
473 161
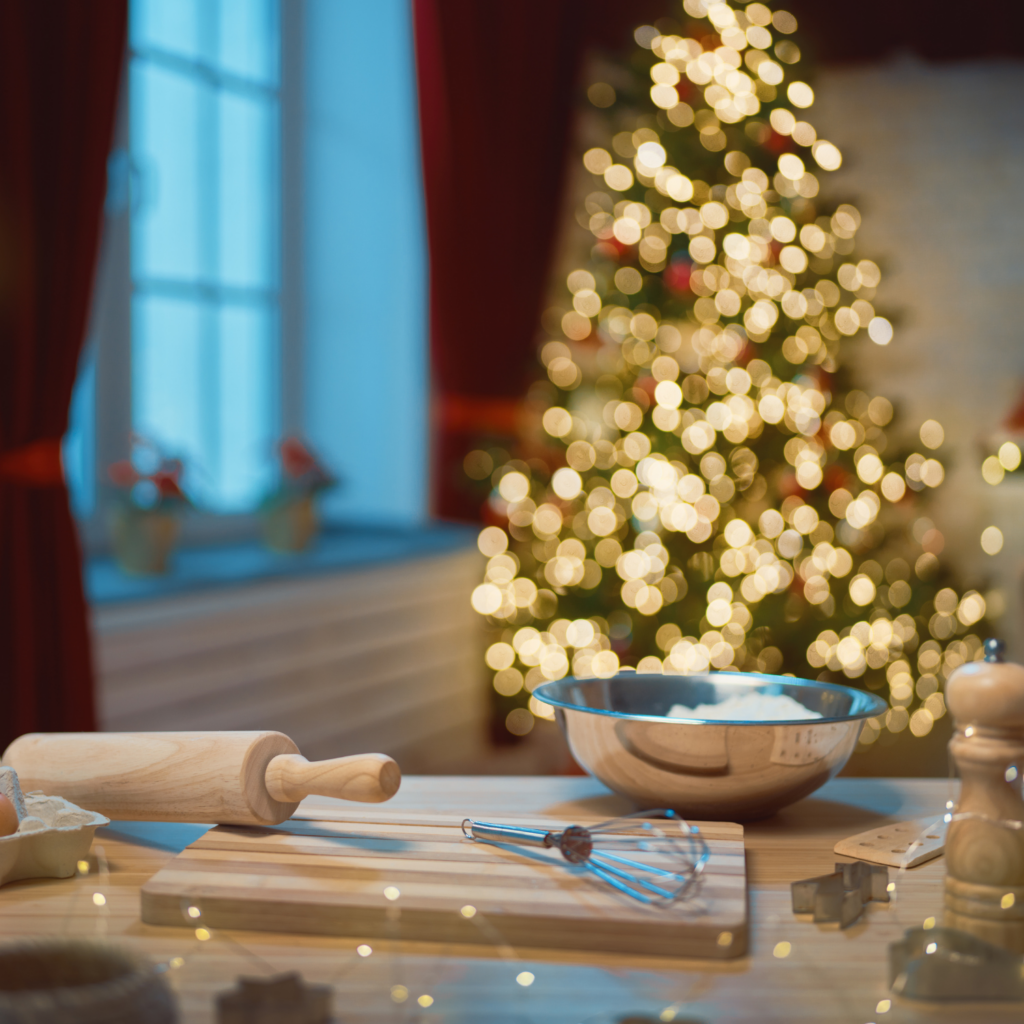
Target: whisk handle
492 833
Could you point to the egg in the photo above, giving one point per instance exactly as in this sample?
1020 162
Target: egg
8 817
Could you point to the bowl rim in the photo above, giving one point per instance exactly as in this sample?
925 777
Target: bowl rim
750 679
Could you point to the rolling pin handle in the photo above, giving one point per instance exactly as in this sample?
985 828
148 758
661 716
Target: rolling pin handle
369 778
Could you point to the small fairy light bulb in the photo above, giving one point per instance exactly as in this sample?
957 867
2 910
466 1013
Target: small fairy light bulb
425 1000
468 911
83 867
204 934
782 950
391 892
99 899
525 978
364 950
194 913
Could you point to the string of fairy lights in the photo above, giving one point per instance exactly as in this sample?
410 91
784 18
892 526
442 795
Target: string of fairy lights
704 489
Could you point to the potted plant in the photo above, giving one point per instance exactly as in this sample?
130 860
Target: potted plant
145 515
289 514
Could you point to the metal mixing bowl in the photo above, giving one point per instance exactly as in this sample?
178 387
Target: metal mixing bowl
721 771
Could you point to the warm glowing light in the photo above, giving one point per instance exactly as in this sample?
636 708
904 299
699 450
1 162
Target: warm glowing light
1009 456
525 978
827 155
932 434
782 950
991 540
880 330
566 483
492 541
99 899
791 166
618 177
992 470
364 950
800 95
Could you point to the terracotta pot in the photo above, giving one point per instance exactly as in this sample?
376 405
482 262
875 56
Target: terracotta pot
65 981
143 539
290 525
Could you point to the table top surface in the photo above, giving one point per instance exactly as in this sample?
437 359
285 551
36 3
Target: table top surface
828 975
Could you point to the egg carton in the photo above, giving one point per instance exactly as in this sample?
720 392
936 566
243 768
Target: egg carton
53 834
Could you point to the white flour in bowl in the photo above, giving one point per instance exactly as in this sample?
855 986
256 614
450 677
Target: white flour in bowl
748 707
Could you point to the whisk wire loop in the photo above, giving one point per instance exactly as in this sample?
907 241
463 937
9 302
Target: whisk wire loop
679 849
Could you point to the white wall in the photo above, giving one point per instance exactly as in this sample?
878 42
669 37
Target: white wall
934 159
364 256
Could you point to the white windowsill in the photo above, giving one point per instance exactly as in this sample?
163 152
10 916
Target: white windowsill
338 549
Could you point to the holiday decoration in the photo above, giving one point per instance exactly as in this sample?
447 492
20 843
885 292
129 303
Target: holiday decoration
704 486
289 514
146 509
1003 459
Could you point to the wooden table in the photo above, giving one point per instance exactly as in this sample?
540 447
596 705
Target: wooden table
827 976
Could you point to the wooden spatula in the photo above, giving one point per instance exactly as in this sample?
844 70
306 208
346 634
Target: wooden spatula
224 778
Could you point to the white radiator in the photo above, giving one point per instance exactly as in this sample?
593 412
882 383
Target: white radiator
383 659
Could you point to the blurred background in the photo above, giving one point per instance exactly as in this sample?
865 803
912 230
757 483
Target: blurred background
276 274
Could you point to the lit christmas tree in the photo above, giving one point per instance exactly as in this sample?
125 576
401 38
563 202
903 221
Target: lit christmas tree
704 487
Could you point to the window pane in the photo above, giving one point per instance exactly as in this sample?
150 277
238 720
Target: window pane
173 382
245 405
78 453
168 117
248 190
172 25
248 35
203 389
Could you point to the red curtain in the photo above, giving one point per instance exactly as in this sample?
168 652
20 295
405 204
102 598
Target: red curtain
60 67
497 83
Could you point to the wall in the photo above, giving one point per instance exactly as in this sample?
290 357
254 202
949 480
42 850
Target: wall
934 159
364 256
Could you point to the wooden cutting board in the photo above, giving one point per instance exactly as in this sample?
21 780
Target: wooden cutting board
332 872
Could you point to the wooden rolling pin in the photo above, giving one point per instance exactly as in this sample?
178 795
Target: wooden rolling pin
224 778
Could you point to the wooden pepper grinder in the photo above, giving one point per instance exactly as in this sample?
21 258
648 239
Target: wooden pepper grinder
985 854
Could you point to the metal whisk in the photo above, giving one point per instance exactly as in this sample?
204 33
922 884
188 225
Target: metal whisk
676 852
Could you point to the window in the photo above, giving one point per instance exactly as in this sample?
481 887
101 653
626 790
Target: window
264 262
205 307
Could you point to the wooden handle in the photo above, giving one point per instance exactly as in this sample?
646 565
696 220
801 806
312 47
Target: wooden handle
370 778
